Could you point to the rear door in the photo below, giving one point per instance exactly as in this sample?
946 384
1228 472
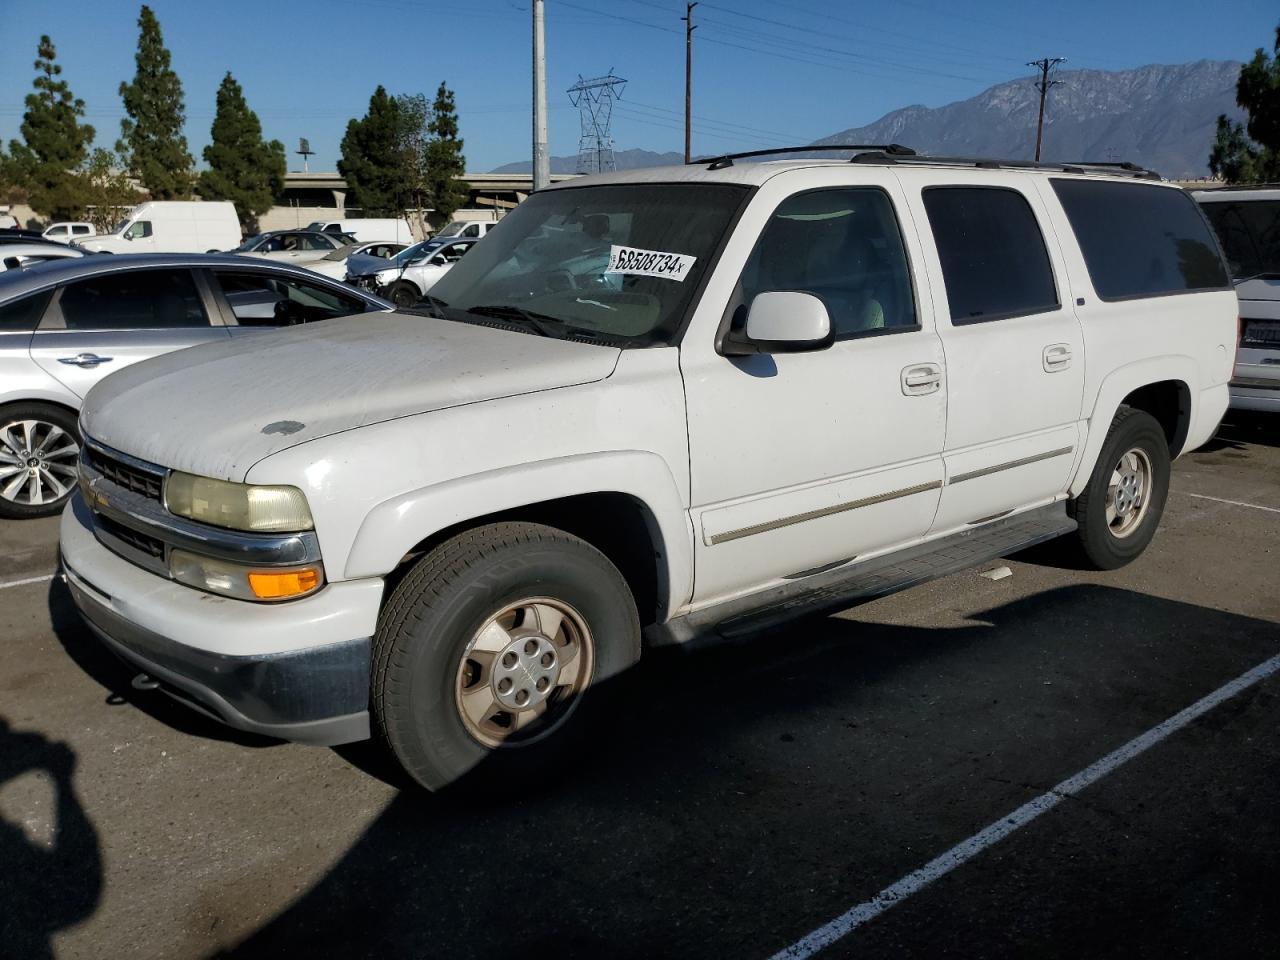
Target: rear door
1014 348
101 324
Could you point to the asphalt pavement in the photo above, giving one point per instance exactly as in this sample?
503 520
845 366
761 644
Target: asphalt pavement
729 801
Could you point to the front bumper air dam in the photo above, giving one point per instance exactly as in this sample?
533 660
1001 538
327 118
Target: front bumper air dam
316 694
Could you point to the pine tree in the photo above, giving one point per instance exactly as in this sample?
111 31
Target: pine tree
151 134
1250 153
445 162
243 168
371 161
54 143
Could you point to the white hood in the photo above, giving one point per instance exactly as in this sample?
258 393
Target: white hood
218 409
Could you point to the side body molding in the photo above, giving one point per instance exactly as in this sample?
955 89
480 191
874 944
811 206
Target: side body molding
392 528
1118 385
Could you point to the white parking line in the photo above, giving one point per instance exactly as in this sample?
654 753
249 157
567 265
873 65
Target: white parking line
23 583
1234 503
966 850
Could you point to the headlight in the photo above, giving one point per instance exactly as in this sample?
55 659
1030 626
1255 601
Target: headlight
244 582
237 506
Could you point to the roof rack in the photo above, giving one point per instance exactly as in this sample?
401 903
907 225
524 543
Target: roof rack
893 153
983 163
726 159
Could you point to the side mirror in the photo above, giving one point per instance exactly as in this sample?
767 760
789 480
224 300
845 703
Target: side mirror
783 321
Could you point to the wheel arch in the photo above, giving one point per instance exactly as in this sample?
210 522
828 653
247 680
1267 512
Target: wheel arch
1163 387
625 504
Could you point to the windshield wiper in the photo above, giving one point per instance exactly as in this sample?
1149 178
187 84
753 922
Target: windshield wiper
541 323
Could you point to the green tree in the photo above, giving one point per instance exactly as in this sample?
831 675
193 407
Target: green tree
371 159
151 135
445 162
415 121
108 192
54 143
243 168
1250 152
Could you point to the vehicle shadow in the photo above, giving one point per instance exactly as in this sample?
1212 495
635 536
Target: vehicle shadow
115 677
44 887
1241 428
726 799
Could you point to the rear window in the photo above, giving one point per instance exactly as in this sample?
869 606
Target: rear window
994 262
22 315
1250 234
1141 240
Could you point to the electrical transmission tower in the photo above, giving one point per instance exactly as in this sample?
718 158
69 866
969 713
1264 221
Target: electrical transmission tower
594 100
1045 65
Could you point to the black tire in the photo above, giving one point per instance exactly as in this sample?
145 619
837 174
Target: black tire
46 414
403 294
1099 544
440 605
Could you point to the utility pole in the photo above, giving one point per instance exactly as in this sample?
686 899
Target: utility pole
688 77
1043 84
541 162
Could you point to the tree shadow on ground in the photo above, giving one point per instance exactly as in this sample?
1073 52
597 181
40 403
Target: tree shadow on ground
728 799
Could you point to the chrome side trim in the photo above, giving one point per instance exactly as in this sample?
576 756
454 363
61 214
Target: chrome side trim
1022 462
824 512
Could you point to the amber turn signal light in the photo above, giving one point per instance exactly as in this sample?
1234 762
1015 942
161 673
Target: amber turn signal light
278 585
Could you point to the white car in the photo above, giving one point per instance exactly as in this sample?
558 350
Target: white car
408 276
465 229
66 231
782 387
334 263
298 247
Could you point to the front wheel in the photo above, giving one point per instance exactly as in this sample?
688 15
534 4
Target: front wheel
488 652
1119 510
39 452
404 294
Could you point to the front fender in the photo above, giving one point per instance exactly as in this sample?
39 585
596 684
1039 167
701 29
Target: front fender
395 526
1118 385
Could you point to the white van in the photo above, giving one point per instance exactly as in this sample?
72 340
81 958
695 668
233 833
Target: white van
368 230
173 226
65 231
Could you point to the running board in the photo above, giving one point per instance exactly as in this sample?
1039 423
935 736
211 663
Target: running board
856 582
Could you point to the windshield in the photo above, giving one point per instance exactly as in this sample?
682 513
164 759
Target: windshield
251 244
614 262
1250 234
453 229
341 253
409 254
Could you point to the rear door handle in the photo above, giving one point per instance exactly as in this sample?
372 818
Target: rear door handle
1057 356
86 361
921 379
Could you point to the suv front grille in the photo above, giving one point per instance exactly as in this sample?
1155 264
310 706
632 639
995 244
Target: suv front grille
122 474
134 538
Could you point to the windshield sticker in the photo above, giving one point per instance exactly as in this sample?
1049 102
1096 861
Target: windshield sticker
649 263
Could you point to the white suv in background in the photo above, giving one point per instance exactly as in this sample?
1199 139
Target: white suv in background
66 231
1247 220
656 404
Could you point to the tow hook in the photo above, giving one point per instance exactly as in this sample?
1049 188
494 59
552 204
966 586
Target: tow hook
144 682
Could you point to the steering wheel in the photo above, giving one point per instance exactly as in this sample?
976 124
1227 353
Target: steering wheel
570 281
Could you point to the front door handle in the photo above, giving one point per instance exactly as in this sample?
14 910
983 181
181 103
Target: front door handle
86 361
921 379
1057 356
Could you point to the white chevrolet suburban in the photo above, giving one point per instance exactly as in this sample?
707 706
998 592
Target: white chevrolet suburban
651 406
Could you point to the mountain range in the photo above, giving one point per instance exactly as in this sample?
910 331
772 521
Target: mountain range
1160 116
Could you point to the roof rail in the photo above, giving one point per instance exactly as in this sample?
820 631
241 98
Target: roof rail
726 160
1125 168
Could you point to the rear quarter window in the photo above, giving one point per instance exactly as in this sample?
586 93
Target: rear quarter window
1140 240
22 315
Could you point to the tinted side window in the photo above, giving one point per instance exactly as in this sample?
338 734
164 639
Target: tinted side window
1141 240
994 261
1250 234
133 300
263 300
23 315
844 247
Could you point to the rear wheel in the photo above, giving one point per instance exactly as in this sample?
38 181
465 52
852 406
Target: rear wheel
39 451
490 649
1119 510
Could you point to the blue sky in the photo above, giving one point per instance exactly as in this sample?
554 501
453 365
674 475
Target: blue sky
766 72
